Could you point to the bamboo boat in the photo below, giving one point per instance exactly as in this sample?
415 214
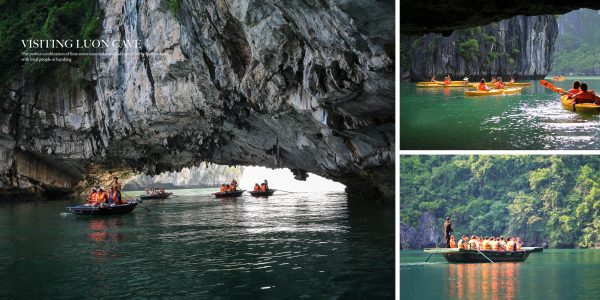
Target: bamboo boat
456 255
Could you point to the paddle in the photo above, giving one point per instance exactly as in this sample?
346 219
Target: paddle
436 245
484 255
551 87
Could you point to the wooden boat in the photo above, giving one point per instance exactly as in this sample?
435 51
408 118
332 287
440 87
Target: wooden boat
267 193
102 211
156 196
228 194
587 108
455 255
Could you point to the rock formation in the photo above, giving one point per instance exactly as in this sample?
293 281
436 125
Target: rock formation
304 85
421 17
519 46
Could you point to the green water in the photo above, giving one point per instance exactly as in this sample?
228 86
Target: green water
289 246
552 274
445 119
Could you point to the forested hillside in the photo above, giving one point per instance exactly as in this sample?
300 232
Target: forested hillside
577 43
543 199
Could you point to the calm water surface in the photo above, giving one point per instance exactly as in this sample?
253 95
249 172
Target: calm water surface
307 246
446 119
552 274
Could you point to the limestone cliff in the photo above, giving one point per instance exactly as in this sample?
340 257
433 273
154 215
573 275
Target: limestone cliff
193 177
304 85
519 46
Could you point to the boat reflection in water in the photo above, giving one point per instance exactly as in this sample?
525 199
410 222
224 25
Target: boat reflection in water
484 281
100 234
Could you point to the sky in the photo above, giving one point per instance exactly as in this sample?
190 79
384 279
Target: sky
283 179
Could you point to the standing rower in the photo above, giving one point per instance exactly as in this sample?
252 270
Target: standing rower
448 231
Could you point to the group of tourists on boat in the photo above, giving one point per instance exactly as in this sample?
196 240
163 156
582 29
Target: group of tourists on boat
263 187
488 243
579 93
232 187
101 198
155 191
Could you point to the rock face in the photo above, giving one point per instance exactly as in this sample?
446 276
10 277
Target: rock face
457 14
425 235
304 85
519 46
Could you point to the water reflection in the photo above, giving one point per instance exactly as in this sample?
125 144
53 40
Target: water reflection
100 234
484 281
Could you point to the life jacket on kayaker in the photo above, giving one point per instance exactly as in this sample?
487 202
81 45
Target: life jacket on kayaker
256 187
499 84
586 96
574 90
482 86
223 188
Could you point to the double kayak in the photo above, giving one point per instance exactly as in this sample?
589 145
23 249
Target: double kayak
489 84
266 193
155 196
495 92
587 108
102 211
228 194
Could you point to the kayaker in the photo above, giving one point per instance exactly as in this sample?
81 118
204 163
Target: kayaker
433 79
473 243
493 80
447 80
448 230
512 80
482 86
499 84
585 96
574 90
452 242
466 80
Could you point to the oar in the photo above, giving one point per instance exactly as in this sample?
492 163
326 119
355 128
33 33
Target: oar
144 207
484 255
551 87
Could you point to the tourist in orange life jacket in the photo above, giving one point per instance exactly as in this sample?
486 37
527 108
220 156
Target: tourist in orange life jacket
585 96
447 80
101 197
452 242
463 243
501 244
228 188
256 187
574 90
510 245
493 244
91 199
266 186
233 185
482 86
518 242
499 83
223 188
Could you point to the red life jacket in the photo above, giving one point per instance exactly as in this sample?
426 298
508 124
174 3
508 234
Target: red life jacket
572 92
500 85
482 87
586 97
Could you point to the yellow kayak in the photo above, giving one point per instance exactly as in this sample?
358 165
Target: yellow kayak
442 85
489 84
587 108
494 92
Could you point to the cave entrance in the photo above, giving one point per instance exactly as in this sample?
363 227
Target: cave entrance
212 176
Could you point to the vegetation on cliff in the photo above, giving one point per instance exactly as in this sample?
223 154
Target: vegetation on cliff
43 19
577 44
543 199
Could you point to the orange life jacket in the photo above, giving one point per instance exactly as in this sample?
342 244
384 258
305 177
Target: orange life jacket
482 87
486 245
256 187
446 81
500 85
452 244
586 97
519 246
223 188
572 92
100 197
92 198
501 245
